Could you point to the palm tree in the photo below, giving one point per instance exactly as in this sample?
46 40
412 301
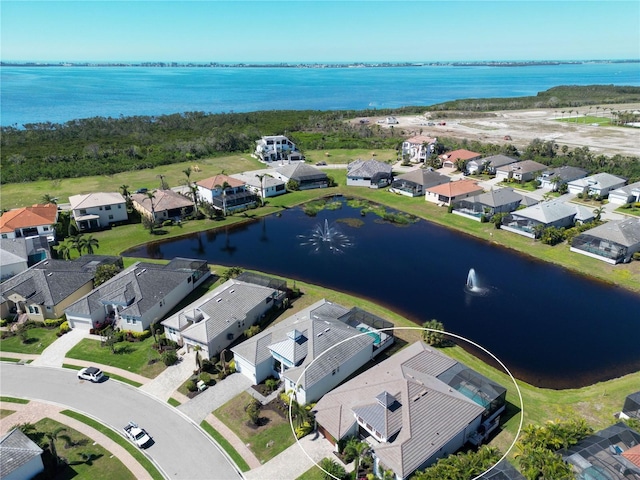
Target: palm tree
90 243
151 197
64 251
77 243
431 336
332 469
124 189
194 193
187 172
47 198
598 213
53 435
163 184
261 178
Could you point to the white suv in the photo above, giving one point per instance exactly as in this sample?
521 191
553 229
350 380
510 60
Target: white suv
92 374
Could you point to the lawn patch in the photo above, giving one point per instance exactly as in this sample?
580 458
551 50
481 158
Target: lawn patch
173 402
38 338
4 412
14 400
225 445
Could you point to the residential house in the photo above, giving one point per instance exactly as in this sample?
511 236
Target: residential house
306 176
598 185
553 178
94 211
273 148
165 205
451 159
419 148
18 254
452 192
631 408
499 200
37 220
493 162
520 171
314 350
412 409
627 194
44 290
216 319
369 173
416 182
263 185
527 221
226 193
20 457
612 242
138 296
611 454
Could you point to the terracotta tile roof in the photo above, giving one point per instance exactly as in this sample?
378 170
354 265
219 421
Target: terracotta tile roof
34 216
453 189
211 182
460 154
633 455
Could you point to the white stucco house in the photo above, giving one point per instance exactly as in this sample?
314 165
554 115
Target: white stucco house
221 316
369 173
138 296
419 148
93 211
274 148
20 457
314 350
226 192
627 194
599 184
262 184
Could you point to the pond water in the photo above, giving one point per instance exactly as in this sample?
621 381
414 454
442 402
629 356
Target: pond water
550 327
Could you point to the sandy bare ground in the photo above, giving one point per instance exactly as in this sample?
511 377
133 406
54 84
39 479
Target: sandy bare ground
523 126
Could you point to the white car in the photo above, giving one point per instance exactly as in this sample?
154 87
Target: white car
137 435
92 374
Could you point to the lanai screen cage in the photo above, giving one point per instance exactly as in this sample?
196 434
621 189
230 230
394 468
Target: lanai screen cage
632 405
600 246
263 281
356 316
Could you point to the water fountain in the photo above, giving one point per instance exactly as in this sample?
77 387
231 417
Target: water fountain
325 237
473 285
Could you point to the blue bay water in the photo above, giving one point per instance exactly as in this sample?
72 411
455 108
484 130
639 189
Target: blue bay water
60 94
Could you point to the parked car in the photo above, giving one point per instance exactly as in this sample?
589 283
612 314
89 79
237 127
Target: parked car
93 374
441 124
321 164
137 435
142 190
431 124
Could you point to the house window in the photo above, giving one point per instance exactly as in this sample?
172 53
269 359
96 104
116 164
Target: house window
4 235
119 206
45 229
107 207
30 309
100 208
110 217
83 211
161 303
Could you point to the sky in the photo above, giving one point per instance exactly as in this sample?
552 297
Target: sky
318 31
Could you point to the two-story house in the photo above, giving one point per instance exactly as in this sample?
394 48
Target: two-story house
37 220
94 211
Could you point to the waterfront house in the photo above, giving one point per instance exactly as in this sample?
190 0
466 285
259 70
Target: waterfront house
419 148
415 407
554 213
138 296
451 192
553 178
369 173
274 148
415 183
226 193
37 220
221 316
451 159
20 457
598 185
18 254
306 176
165 205
520 171
627 194
314 350
498 200
612 242
94 211
493 162
264 187
44 290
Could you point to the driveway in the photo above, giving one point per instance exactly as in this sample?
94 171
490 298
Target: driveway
181 449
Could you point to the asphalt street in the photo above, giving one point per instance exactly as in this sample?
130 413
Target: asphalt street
180 448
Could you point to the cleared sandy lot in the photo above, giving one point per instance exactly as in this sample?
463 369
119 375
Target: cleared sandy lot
523 126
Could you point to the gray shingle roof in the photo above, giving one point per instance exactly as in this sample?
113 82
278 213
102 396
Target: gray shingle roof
547 212
497 197
627 189
565 173
496 161
367 169
301 171
96 199
424 176
525 166
16 450
599 180
623 232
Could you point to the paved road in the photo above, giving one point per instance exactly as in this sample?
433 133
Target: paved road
181 449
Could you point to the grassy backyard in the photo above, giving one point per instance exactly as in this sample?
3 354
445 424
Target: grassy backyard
137 357
38 339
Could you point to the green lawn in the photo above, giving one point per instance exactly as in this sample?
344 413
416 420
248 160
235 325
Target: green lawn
633 209
226 446
132 356
101 466
349 155
265 441
582 119
173 402
38 339
314 473
14 400
4 412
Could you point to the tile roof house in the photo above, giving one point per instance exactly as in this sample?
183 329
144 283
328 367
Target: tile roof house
627 194
450 159
18 254
299 350
599 184
221 316
413 408
555 213
611 454
166 205
47 288
419 148
20 457
306 176
264 187
415 182
452 192
226 193
273 148
30 221
369 173
612 242
520 171
94 211
493 162
498 200
138 296
552 179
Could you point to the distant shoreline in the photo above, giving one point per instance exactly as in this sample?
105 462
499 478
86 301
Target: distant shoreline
489 63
